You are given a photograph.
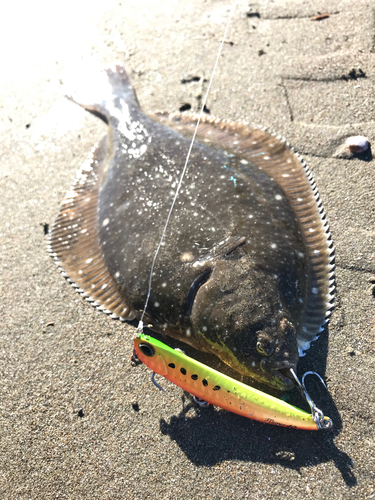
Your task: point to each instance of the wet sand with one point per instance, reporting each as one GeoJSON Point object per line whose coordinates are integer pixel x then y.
{"type": "Point", "coordinates": [77, 421]}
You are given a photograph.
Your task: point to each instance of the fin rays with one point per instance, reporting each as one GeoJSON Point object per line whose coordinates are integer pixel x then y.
{"type": "Point", "coordinates": [74, 242]}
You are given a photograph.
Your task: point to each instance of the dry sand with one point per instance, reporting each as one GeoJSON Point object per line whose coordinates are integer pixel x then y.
{"type": "Point", "coordinates": [77, 421]}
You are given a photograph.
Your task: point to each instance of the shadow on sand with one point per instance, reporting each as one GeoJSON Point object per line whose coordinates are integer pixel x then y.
{"type": "Point", "coordinates": [209, 436]}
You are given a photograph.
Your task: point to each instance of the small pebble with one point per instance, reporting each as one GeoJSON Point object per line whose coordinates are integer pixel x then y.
{"type": "Point", "coordinates": [135, 406]}
{"type": "Point", "coordinates": [357, 144]}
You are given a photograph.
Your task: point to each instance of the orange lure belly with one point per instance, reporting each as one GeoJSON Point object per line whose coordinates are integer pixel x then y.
{"type": "Point", "coordinates": [219, 389]}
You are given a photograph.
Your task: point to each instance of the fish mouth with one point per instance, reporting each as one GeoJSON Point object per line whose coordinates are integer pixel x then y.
{"type": "Point", "coordinates": [280, 370]}
{"type": "Point", "coordinates": [284, 375]}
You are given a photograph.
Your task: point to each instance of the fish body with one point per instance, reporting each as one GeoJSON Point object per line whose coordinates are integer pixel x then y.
{"type": "Point", "coordinates": [244, 271]}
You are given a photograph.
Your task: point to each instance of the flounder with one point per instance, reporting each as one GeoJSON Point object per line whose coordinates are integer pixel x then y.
{"type": "Point", "coordinates": [246, 269]}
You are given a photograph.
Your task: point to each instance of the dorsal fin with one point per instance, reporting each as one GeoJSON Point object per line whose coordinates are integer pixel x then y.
{"type": "Point", "coordinates": [289, 171]}
{"type": "Point", "coordinates": [74, 243]}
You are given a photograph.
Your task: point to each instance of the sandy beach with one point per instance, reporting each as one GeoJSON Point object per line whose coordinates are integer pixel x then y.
{"type": "Point", "coordinates": [77, 420]}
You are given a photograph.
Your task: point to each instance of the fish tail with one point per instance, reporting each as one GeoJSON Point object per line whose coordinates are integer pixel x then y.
{"type": "Point", "coordinates": [105, 92]}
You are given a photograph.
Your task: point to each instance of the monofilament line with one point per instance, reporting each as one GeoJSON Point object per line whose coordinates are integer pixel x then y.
{"type": "Point", "coordinates": [140, 325]}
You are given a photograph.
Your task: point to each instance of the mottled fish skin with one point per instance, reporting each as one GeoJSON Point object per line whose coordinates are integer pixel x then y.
{"type": "Point", "coordinates": [232, 275]}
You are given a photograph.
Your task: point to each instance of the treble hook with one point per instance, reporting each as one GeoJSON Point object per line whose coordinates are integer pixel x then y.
{"type": "Point", "coordinates": [155, 383]}
{"type": "Point", "coordinates": [199, 401]}
{"type": "Point", "coordinates": [313, 373]}
{"type": "Point", "coordinates": [316, 413]}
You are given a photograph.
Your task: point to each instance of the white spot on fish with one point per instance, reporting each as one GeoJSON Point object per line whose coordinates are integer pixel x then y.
{"type": "Point", "coordinates": [88, 261]}
{"type": "Point", "coordinates": [105, 222]}
{"type": "Point", "coordinates": [186, 257]}
{"type": "Point", "coordinates": [156, 304]}
{"type": "Point", "coordinates": [199, 263]}
{"type": "Point", "coordinates": [278, 197]}
{"type": "Point", "coordinates": [314, 291]}
{"type": "Point", "coordinates": [273, 246]}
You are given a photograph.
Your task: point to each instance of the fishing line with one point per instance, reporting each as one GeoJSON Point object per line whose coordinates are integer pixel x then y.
{"type": "Point", "coordinates": [140, 324]}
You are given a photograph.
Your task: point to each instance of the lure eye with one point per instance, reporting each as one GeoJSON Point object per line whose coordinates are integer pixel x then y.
{"type": "Point", "coordinates": [147, 350]}
{"type": "Point", "coordinates": [265, 348]}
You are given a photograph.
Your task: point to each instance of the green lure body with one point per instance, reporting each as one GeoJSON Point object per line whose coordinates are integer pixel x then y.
{"type": "Point", "coordinates": [219, 389]}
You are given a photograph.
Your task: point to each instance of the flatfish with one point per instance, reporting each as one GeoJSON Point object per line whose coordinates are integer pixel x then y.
{"type": "Point", "coordinates": [246, 268]}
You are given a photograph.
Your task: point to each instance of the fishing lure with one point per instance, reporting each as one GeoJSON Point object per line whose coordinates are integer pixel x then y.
{"type": "Point", "coordinates": [225, 392]}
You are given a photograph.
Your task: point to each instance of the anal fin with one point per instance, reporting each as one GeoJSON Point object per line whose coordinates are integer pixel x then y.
{"type": "Point", "coordinates": [74, 242]}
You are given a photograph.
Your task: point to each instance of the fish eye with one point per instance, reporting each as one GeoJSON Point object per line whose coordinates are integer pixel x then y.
{"type": "Point", "coordinates": [260, 349]}
{"type": "Point", "coordinates": [201, 280]}
{"type": "Point", "coordinates": [265, 348]}
{"type": "Point", "coordinates": [147, 350]}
